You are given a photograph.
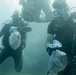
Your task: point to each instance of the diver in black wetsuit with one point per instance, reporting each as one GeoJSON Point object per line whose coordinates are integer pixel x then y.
{"type": "Point", "coordinates": [63, 29]}
{"type": "Point", "coordinates": [7, 51]}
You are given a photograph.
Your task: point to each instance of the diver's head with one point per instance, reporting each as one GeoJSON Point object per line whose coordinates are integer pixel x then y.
{"type": "Point", "coordinates": [16, 18]}
{"type": "Point", "coordinates": [60, 4]}
{"type": "Point", "coordinates": [16, 15]}
{"type": "Point", "coordinates": [61, 7]}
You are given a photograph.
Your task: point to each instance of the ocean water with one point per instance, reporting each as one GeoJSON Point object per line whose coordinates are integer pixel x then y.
{"type": "Point", "coordinates": [36, 59]}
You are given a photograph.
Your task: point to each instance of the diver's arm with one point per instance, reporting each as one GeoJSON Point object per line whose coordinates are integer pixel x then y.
{"type": "Point", "coordinates": [49, 40]}
{"type": "Point", "coordinates": [24, 29]}
{"type": "Point", "coordinates": [1, 34]}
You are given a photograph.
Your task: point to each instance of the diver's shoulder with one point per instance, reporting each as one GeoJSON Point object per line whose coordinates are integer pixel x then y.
{"type": "Point", "coordinates": [8, 22]}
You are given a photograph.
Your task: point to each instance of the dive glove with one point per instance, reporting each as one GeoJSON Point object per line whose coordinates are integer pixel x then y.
{"type": "Point", "coordinates": [51, 47]}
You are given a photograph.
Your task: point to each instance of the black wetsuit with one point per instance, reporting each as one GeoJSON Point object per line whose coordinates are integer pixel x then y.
{"type": "Point", "coordinates": [8, 51]}
{"type": "Point", "coordinates": [65, 35]}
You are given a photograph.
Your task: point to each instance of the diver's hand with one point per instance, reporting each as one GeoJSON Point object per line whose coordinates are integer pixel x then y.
{"type": "Point", "coordinates": [24, 29]}
{"type": "Point", "coordinates": [49, 50]}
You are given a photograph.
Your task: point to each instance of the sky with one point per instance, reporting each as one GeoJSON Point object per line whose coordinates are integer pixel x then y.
{"type": "Point", "coordinates": [35, 57]}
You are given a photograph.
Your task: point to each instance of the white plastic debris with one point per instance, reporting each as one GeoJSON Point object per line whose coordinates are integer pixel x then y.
{"type": "Point", "coordinates": [55, 44]}
{"type": "Point", "coordinates": [58, 62]}
{"type": "Point", "coordinates": [14, 38]}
